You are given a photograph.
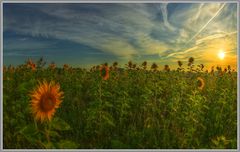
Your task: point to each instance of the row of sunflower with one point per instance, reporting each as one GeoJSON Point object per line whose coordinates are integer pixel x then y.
{"type": "Point", "coordinates": [109, 107]}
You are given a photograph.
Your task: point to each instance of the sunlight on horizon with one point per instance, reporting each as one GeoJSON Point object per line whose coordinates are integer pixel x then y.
{"type": "Point", "coordinates": [221, 54]}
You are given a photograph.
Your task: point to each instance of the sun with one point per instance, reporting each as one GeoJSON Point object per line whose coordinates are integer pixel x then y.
{"type": "Point", "coordinates": [221, 55]}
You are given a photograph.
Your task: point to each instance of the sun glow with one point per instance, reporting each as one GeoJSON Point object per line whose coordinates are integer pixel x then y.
{"type": "Point", "coordinates": [221, 55]}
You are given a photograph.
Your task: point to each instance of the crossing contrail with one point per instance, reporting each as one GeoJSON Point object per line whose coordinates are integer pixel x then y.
{"type": "Point", "coordinates": [216, 14]}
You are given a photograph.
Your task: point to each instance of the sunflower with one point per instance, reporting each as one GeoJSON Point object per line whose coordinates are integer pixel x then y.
{"type": "Point", "coordinates": [45, 99]}
{"type": "Point", "coordinates": [52, 66]}
{"type": "Point", "coordinates": [104, 72]}
{"type": "Point", "coordinates": [154, 66]}
{"type": "Point", "coordinates": [130, 64]}
{"type": "Point", "coordinates": [180, 63]}
{"type": "Point", "coordinates": [191, 60]}
{"type": "Point", "coordinates": [166, 68]}
{"type": "Point", "coordinates": [115, 64]}
{"type": "Point", "coordinates": [65, 67]}
{"type": "Point", "coordinates": [11, 69]}
{"type": "Point", "coordinates": [144, 64]}
{"type": "Point", "coordinates": [200, 83]}
{"type": "Point", "coordinates": [31, 65]}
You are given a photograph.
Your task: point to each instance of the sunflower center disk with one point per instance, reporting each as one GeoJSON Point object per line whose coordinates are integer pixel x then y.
{"type": "Point", "coordinates": [47, 102]}
{"type": "Point", "coordinates": [199, 83]}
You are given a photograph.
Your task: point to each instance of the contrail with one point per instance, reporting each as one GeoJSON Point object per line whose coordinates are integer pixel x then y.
{"type": "Point", "coordinates": [209, 37]}
{"type": "Point", "coordinates": [207, 23]}
{"type": "Point", "coordinates": [164, 11]}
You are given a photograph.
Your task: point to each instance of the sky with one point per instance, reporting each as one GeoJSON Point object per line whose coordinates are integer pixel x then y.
{"type": "Point", "coordinates": [83, 35]}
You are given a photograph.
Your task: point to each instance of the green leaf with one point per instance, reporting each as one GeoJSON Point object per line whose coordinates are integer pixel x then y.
{"type": "Point", "coordinates": [30, 133]}
{"type": "Point", "coordinates": [108, 119]}
{"type": "Point", "coordinates": [22, 88]}
{"type": "Point", "coordinates": [117, 144]}
{"type": "Point", "coordinates": [48, 145]}
{"type": "Point", "coordinates": [107, 104]}
{"type": "Point", "coordinates": [67, 144]}
{"type": "Point", "coordinates": [28, 130]}
{"type": "Point", "coordinates": [54, 134]}
{"type": "Point", "coordinates": [60, 124]}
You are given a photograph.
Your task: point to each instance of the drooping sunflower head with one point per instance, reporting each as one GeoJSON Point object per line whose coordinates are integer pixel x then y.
{"type": "Point", "coordinates": [65, 67]}
{"type": "Point", "coordinates": [11, 68]}
{"type": "Point", "coordinates": [200, 83]}
{"type": "Point", "coordinates": [225, 70]}
{"type": "Point", "coordinates": [97, 67]}
{"type": "Point", "coordinates": [154, 66]}
{"type": "Point", "coordinates": [52, 66]}
{"type": "Point", "coordinates": [104, 72]}
{"type": "Point", "coordinates": [134, 66]}
{"type": "Point", "coordinates": [31, 64]}
{"type": "Point", "coordinates": [191, 60]}
{"type": "Point", "coordinates": [45, 99]}
{"type": "Point", "coordinates": [166, 68]}
{"type": "Point", "coordinates": [229, 68]}
{"type": "Point", "coordinates": [130, 64]}
{"type": "Point", "coordinates": [180, 63]}
{"type": "Point", "coordinates": [115, 64]}
{"type": "Point", "coordinates": [144, 63]}
{"type": "Point", "coordinates": [111, 68]}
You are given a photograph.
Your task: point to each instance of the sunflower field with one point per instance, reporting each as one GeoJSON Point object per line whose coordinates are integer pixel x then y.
{"type": "Point", "coordinates": [108, 107]}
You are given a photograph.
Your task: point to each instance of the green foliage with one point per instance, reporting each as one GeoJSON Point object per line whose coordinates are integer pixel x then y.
{"type": "Point", "coordinates": [132, 109]}
{"type": "Point", "coordinates": [66, 144]}
{"type": "Point", "coordinates": [60, 124]}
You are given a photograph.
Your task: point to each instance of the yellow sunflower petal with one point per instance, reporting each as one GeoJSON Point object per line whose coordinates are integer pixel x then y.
{"type": "Point", "coordinates": [45, 99]}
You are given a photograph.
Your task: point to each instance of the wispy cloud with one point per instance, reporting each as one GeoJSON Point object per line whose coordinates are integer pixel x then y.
{"type": "Point", "coordinates": [207, 23]}
{"type": "Point", "coordinates": [127, 31]}
{"type": "Point", "coordinates": [164, 10]}
{"type": "Point", "coordinates": [214, 36]}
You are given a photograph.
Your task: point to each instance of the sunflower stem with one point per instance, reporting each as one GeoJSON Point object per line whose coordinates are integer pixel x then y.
{"type": "Point", "coordinates": [101, 107]}
{"type": "Point", "coordinates": [47, 130]}
{"type": "Point", "coordinates": [35, 124]}
{"type": "Point", "coordinates": [100, 91]}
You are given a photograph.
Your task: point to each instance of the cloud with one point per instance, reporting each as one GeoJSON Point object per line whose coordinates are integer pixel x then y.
{"type": "Point", "coordinates": [164, 10]}
{"type": "Point", "coordinates": [219, 10]}
{"type": "Point", "coordinates": [203, 15]}
{"type": "Point", "coordinates": [214, 36]}
{"type": "Point", "coordinates": [19, 54]}
{"type": "Point", "coordinates": [227, 41]}
{"type": "Point", "coordinates": [26, 44]}
{"type": "Point", "coordinates": [126, 31]}
{"type": "Point", "coordinates": [84, 29]}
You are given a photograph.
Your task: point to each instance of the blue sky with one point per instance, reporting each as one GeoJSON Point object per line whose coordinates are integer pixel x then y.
{"type": "Point", "coordinates": [83, 35]}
